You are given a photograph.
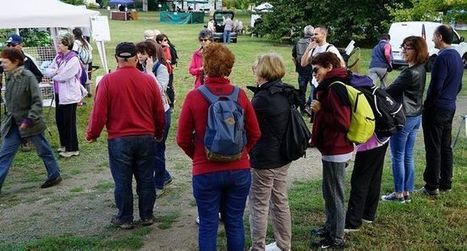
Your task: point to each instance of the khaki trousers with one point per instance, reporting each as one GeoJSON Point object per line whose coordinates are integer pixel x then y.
{"type": "Point", "coordinates": [268, 193]}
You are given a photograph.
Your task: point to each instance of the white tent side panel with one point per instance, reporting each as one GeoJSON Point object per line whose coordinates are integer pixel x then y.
{"type": "Point", "coordinates": [43, 14]}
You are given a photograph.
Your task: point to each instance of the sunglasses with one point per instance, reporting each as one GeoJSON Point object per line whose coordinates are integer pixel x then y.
{"type": "Point", "coordinates": [11, 45]}
{"type": "Point", "coordinates": [204, 39]}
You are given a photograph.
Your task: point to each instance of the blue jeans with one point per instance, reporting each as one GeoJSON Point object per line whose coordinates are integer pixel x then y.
{"type": "Point", "coordinates": [160, 172]}
{"type": "Point", "coordinates": [226, 36]}
{"type": "Point", "coordinates": [303, 81]}
{"type": "Point", "coordinates": [128, 156]}
{"type": "Point", "coordinates": [224, 192]}
{"type": "Point", "coordinates": [402, 144]}
{"type": "Point", "coordinates": [10, 145]}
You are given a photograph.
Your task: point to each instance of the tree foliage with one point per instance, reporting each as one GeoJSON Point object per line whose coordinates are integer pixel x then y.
{"type": "Point", "coordinates": [429, 10]}
{"type": "Point", "coordinates": [360, 20]}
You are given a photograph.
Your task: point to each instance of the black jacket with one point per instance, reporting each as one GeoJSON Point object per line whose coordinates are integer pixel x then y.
{"type": "Point", "coordinates": [272, 110]}
{"type": "Point", "coordinates": [408, 89]}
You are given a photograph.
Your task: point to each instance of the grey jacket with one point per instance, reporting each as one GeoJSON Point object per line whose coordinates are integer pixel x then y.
{"type": "Point", "coordinates": [23, 103]}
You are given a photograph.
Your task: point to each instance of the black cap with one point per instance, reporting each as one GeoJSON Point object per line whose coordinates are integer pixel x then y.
{"type": "Point", "coordinates": [125, 50]}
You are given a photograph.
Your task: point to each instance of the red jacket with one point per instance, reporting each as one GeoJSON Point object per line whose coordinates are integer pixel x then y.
{"type": "Point", "coordinates": [195, 67]}
{"type": "Point", "coordinates": [192, 127]}
{"type": "Point", "coordinates": [127, 102]}
{"type": "Point", "coordinates": [332, 121]}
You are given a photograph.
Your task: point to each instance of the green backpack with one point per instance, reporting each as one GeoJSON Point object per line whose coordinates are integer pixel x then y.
{"type": "Point", "coordinates": [362, 122]}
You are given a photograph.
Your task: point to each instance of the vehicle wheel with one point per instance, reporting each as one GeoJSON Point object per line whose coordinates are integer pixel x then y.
{"type": "Point", "coordinates": [464, 60]}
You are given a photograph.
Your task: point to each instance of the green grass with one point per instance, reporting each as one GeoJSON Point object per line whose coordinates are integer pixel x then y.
{"type": "Point", "coordinates": [424, 224]}
{"type": "Point", "coordinates": [410, 226]}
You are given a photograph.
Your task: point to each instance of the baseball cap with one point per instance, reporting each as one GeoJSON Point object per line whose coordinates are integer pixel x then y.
{"type": "Point", "coordinates": [125, 50]}
{"type": "Point", "coordinates": [14, 39]}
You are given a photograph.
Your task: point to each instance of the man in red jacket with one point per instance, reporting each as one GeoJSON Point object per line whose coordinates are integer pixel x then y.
{"type": "Point", "coordinates": [128, 104]}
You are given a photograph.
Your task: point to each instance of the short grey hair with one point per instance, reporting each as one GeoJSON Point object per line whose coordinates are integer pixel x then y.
{"type": "Point", "coordinates": [308, 30]}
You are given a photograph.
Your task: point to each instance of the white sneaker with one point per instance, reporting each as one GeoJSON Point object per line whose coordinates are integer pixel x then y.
{"type": "Point", "coordinates": [159, 192]}
{"type": "Point", "coordinates": [197, 220]}
{"type": "Point", "coordinates": [68, 154]}
{"type": "Point", "coordinates": [367, 221]}
{"type": "Point", "coordinates": [61, 149]}
{"type": "Point", "coordinates": [272, 247]}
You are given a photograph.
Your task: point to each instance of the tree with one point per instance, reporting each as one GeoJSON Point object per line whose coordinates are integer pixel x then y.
{"type": "Point", "coordinates": [360, 20]}
{"type": "Point", "coordinates": [426, 10]}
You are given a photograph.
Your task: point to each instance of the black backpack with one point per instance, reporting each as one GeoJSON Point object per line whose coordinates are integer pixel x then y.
{"type": "Point", "coordinates": [389, 114]}
{"type": "Point", "coordinates": [297, 135]}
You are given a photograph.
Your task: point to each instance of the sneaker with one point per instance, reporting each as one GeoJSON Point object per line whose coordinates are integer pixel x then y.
{"type": "Point", "coordinates": [52, 182]}
{"type": "Point", "coordinates": [320, 232]}
{"type": "Point", "coordinates": [148, 222]}
{"type": "Point", "coordinates": [61, 149]}
{"type": "Point", "coordinates": [168, 182]}
{"type": "Point", "coordinates": [159, 192]}
{"type": "Point", "coordinates": [350, 230]}
{"type": "Point", "coordinates": [272, 247]}
{"type": "Point", "coordinates": [120, 224]}
{"type": "Point", "coordinates": [197, 220]}
{"type": "Point", "coordinates": [425, 191]}
{"type": "Point", "coordinates": [328, 243]}
{"type": "Point", "coordinates": [26, 147]}
{"type": "Point", "coordinates": [392, 197]}
{"type": "Point", "coordinates": [68, 154]}
{"type": "Point", "coordinates": [445, 190]}
{"type": "Point", "coordinates": [367, 221]}
{"type": "Point", "coordinates": [407, 199]}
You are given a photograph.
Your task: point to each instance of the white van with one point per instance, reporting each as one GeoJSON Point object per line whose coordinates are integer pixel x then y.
{"type": "Point", "coordinates": [401, 30]}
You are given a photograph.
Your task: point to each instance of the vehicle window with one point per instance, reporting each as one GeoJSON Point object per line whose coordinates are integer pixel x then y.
{"type": "Point", "coordinates": [456, 38]}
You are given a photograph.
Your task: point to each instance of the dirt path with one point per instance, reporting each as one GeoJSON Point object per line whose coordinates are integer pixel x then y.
{"type": "Point", "coordinates": [83, 204]}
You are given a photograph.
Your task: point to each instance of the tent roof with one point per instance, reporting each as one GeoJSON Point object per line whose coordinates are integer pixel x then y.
{"type": "Point", "coordinates": [44, 14]}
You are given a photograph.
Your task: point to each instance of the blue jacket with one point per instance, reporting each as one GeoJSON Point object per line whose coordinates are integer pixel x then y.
{"type": "Point", "coordinates": [378, 60]}
{"type": "Point", "coordinates": [446, 80]}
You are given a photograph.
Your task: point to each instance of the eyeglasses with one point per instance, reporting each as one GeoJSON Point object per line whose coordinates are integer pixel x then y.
{"type": "Point", "coordinates": [204, 39]}
{"type": "Point", "coordinates": [406, 47]}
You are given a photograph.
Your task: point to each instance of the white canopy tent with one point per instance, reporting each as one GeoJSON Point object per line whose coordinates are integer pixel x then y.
{"type": "Point", "coordinates": [52, 14]}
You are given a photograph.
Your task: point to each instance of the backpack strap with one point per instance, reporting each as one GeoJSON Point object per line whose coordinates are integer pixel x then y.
{"type": "Point", "coordinates": [155, 67]}
{"type": "Point", "coordinates": [211, 98]}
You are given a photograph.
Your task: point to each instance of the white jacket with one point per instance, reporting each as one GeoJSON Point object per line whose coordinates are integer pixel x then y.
{"type": "Point", "coordinates": [67, 76]}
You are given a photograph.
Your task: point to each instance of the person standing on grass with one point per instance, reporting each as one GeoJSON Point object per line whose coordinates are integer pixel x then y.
{"type": "Point", "coordinates": [196, 65]}
{"type": "Point", "coordinates": [380, 63]}
{"type": "Point", "coordinates": [23, 119]}
{"type": "Point", "coordinates": [150, 58]}
{"type": "Point", "coordinates": [65, 71]}
{"type": "Point", "coordinates": [228, 27]}
{"type": "Point", "coordinates": [305, 75]}
{"type": "Point", "coordinates": [268, 192]}
{"type": "Point", "coordinates": [407, 89]}
{"type": "Point", "coordinates": [170, 59]}
{"type": "Point", "coordinates": [366, 183]}
{"type": "Point", "coordinates": [129, 104]}
{"type": "Point", "coordinates": [332, 121]}
{"type": "Point", "coordinates": [217, 186]}
{"type": "Point", "coordinates": [438, 113]}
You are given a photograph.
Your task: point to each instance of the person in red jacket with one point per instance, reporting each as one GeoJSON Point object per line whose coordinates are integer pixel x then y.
{"type": "Point", "coordinates": [196, 65]}
{"type": "Point", "coordinates": [217, 186]}
{"type": "Point", "coordinates": [332, 121]}
{"type": "Point", "coordinates": [129, 104]}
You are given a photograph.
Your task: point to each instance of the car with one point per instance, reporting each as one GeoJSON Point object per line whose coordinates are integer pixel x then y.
{"type": "Point", "coordinates": [218, 18]}
{"type": "Point", "coordinates": [400, 30]}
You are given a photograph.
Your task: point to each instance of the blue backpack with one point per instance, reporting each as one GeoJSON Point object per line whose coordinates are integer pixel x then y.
{"type": "Point", "coordinates": [225, 135]}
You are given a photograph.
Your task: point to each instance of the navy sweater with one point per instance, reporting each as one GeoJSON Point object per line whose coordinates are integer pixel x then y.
{"type": "Point", "coordinates": [446, 80]}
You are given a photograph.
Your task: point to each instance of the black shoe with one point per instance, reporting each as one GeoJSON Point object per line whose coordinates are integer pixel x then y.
{"type": "Point", "coordinates": [121, 224]}
{"type": "Point", "coordinates": [327, 243]}
{"type": "Point", "coordinates": [428, 192]}
{"type": "Point", "coordinates": [320, 232]}
{"type": "Point", "coordinates": [52, 182]}
{"type": "Point", "coordinates": [149, 221]}
{"type": "Point", "coordinates": [168, 181]}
